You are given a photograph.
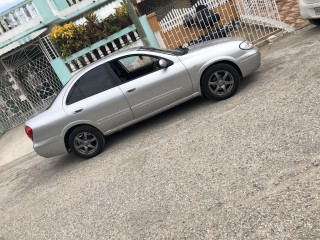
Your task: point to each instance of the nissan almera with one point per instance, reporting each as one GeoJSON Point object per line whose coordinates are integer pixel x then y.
{"type": "Point", "coordinates": [132, 85]}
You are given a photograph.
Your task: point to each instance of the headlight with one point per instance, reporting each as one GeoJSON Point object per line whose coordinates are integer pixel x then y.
{"type": "Point", "coordinates": [245, 45]}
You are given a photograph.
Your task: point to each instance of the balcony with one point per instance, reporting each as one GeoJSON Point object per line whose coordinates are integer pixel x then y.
{"type": "Point", "coordinates": [31, 15]}
{"type": "Point", "coordinates": [64, 8]}
{"type": "Point", "coordinates": [18, 19]}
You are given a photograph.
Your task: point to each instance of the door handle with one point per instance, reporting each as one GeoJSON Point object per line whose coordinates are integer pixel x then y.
{"type": "Point", "coordinates": [77, 111]}
{"type": "Point", "coordinates": [131, 90]}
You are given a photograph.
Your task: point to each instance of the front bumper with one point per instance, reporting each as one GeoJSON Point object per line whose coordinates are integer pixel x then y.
{"type": "Point", "coordinates": [250, 61]}
{"type": "Point", "coordinates": [307, 10]}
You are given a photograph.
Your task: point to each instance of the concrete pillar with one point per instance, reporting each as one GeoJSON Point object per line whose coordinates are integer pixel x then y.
{"type": "Point", "coordinates": [61, 70]}
{"type": "Point", "coordinates": [134, 17]}
{"type": "Point", "coordinates": [45, 10]}
{"type": "Point", "coordinates": [148, 31]}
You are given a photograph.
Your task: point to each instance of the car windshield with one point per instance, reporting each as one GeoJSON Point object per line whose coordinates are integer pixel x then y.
{"type": "Point", "coordinates": [174, 52]}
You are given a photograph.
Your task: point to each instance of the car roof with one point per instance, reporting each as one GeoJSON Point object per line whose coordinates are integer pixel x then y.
{"type": "Point", "coordinates": [116, 54]}
{"type": "Point", "coordinates": [111, 56]}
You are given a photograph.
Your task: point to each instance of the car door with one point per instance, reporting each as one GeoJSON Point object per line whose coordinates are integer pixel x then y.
{"type": "Point", "coordinates": [147, 86]}
{"type": "Point", "coordinates": [95, 98]}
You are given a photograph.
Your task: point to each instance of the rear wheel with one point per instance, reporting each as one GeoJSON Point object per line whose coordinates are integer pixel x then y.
{"type": "Point", "coordinates": [86, 142]}
{"type": "Point", "coordinates": [315, 21]}
{"type": "Point", "coordinates": [220, 81]}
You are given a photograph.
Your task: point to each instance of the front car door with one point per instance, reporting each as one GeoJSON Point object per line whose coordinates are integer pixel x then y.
{"type": "Point", "coordinates": [148, 87]}
{"type": "Point", "coordinates": [95, 99]}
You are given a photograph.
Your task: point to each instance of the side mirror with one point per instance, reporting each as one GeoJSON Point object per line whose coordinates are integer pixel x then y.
{"type": "Point", "coordinates": [163, 63]}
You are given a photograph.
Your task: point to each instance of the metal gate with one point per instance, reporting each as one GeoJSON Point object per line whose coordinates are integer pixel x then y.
{"type": "Point", "coordinates": [210, 19]}
{"type": "Point", "coordinates": [27, 84]}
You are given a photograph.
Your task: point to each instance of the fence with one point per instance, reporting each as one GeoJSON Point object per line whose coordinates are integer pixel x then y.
{"type": "Point", "coordinates": [211, 19]}
{"type": "Point", "coordinates": [27, 85]}
{"type": "Point", "coordinates": [113, 43]}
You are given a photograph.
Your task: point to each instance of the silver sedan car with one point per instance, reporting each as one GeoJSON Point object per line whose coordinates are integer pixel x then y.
{"type": "Point", "coordinates": [310, 9]}
{"type": "Point", "coordinates": [132, 85]}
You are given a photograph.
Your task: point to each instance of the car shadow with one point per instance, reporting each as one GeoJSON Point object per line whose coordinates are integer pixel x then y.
{"type": "Point", "coordinates": [67, 160]}
{"type": "Point", "coordinates": [248, 81]}
{"type": "Point", "coordinates": [174, 114]}
{"type": "Point", "coordinates": [163, 118]}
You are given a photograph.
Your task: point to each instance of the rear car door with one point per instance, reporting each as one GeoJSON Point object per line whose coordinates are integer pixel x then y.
{"type": "Point", "coordinates": [95, 98]}
{"type": "Point", "coordinates": [147, 86]}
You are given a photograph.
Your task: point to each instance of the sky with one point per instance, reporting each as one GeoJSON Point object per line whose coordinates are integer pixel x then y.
{"type": "Point", "coordinates": [6, 4]}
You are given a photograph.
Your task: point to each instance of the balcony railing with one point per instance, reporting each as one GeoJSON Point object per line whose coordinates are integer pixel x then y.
{"type": "Point", "coordinates": [127, 37]}
{"type": "Point", "coordinates": [73, 6]}
{"type": "Point", "coordinates": [73, 2]}
{"type": "Point", "coordinates": [20, 15]}
{"type": "Point", "coordinates": [30, 14]}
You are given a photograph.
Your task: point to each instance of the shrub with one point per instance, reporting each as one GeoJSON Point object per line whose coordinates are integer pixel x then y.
{"type": "Point", "coordinates": [71, 38]}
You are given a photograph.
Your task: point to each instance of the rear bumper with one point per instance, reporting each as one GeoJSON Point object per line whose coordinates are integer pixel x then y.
{"type": "Point", "coordinates": [50, 147]}
{"type": "Point", "coordinates": [307, 10]}
{"type": "Point", "coordinates": [250, 61]}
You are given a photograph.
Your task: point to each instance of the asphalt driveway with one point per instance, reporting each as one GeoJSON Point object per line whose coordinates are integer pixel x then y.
{"type": "Point", "coordinates": [245, 168]}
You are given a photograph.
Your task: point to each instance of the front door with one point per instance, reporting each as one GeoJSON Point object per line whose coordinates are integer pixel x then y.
{"type": "Point", "coordinates": [147, 86]}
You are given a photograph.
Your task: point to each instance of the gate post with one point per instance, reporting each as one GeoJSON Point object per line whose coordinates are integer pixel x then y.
{"type": "Point", "coordinates": [61, 70]}
{"type": "Point", "coordinates": [148, 30]}
{"type": "Point", "coordinates": [136, 21]}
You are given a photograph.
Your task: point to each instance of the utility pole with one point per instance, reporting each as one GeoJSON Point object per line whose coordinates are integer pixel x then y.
{"type": "Point", "coordinates": [135, 19]}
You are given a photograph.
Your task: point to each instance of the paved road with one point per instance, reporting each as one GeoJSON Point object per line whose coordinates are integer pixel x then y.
{"type": "Point", "coordinates": [245, 168]}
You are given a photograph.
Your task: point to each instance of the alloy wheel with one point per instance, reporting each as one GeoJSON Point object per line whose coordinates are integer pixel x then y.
{"type": "Point", "coordinates": [86, 143]}
{"type": "Point", "coordinates": [221, 82]}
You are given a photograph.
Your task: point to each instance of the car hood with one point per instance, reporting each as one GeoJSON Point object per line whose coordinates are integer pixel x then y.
{"type": "Point", "coordinates": [212, 43]}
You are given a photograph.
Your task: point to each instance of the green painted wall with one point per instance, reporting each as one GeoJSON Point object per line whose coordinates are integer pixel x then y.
{"type": "Point", "coordinates": [45, 10]}
{"type": "Point", "coordinates": [61, 5]}
{"type": "Point", "coordinates": [150, 35]}
{"type": "Point", "coordinates": [61, 70]}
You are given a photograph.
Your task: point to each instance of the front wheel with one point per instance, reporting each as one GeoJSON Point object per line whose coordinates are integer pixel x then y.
{"type": "Point", "coordinates": [315, 21]}
{"type": "Point", "coordinates": [220, 81]}
{"type": "Point", "coordinates": [86, 142]}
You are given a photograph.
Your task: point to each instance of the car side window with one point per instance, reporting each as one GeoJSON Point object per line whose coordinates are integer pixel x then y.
{"type": "Point", "coordinates": [134, 66]}
{"type": "Point", "coordinates": [93, 82]}
{"type": "Point", "coordinates": [74, 95]}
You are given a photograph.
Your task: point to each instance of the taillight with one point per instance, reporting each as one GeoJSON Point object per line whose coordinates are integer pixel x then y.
{"type": "Point", "coordinates": [29, 132]}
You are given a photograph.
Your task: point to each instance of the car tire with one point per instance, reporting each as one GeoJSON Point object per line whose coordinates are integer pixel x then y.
{"type": "Point", "coordinates": [86, 141]}
{"type": "Point", "coordinates": [315, 21]}
{"type": "Point", "coordinates": [220, 81]}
